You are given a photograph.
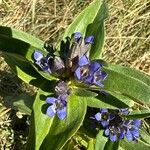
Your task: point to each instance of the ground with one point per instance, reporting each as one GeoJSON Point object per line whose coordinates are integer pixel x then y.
{"type": "Point", "coordinates": [127, 43]}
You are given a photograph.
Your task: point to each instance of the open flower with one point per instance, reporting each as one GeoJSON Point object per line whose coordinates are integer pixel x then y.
{"type": "Point", "coordinates": [41, 61]}
{"type": "Point", "coordinates": [58, 105]}
{"type": "Point", "coordinates": [90, 72]}
{"type": "Point", "coordinates": [115, 127]}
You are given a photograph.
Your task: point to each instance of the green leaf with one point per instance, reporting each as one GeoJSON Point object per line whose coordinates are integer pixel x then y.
{"type": "Point", "coordinates": [22, 69]}
{"type": "Point", "coordinates": [22, 103]}
{"type": "Point", "coordinates": [132, 72]}
{"type": "Point", "coordinates": [83, 92]}
{"type": "Point", "coordinates": [107, 101]}
{"type": "Point", "coordinates": [61, 131]}
{"type": "Point", "coordinates": [97, 30]}
{"type": "Point", "coordinates": [40, 122]}
{"type": "Point", "coordinates": [111, 145]}
{"type": "Point", "coordinates": [126, 100]}
{"type": "Point", "coordinates": [127, 83]}
{"type": "Point", "coordinates": [91, 145]}
{"type": "Point", "coordinates": [145, 136]}
{"type": "Point", "coordinates": [20, 35]}
{"type": "Point", "coordinates": [102, 143]}
{"type": "Point", "coordinates": [85, 18]}
{"type": "Point", "coordinates": [19, 54]}
{"type": "Point", "coordinates": [126, 145]}
{"type": "Point", "coordinates": [139, 114]}
{"type": "Point", "coordinates": [50, 132]}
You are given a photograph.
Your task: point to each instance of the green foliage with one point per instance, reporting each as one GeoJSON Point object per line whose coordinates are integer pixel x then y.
{"type": "Point", "coordinates": [22, 103]}
{"type": "Point", "coordinates": [126, 83]}
{"type": "Point", "coordinates": [20, 35]}
{"type": "Point", "coordinates": [123, 88]}
{"type": "Point", "coordinates": [45, 129]}
{"type": "Point", "coordinates": [85, 18]}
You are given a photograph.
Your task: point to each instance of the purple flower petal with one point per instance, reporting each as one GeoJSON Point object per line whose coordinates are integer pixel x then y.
{"type": "Point", "coordinates": [104, 123]}
{"type": "Point", "coordinates": [113, 137]}
{"type": "Point", "coordinates": [63, 97]}
{"type": "Point", "coordinates": [62, 113]}
{"type": "Point", "coordinates": [83, 61]}
{"type": "Point", "coordinates": [102, 75]}
{"type": "Point", "coordinates": [129, 136]}
{"type": "Point", "coordinates": [98, 83]}
{"type": "Point", "coordinates": [104, 110]}
{"type": "Point", "coordinates": [77, 35]}
{"type": "Point", "coordinates": [122, 134]}
{"type": "Point", "coordinates": [111, 116]}
{"type": "Point", "coordinates": [89, 39]}
{"type": "Point", "coordinates": [135, 133]}
{"type": "Point", "coordinates": [98, 116]}
{"type": "Point", "coordinates": [94, 66]}
{"type": "Point", "coordinates": [51, 110]}
{"type": "Point", "coordinates": [106, 132]}
{"type": "Point", "coordinates": [37, 55]}
{"type": "Point", "coordinates": [78, 73]}
{"type": "Point", "coordinates": [51, 100]}
{"type": "Point", "coordinates": [137, 122]}
{"type": "Point", "coordinates": [88, 79]}
{"type": "Point", "coordinates": [124, 111]}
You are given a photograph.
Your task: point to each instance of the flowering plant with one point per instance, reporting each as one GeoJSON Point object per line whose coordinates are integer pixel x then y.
{"type": "Point", "coordinates": [81, 100]}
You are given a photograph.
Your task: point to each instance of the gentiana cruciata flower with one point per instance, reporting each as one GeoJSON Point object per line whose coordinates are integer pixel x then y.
{"type": "Point", "coordinates": [117, 128]}
{"type": "Point", "coordinates": [87, 71]}
{"type": "Point", "coordinates": [58, 104]}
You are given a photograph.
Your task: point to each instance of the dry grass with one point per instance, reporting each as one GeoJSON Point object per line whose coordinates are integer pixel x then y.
{"type": "Point", "coordinates": [127, 40]}
{"type": "Point", "coordinates": [128, 34]}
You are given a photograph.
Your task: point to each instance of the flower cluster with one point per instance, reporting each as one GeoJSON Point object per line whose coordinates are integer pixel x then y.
{"type": "Point", "coordinates": [87, 71]}
{"type": "Point", "coordinates": [41, 61]}
{"type": "Point", "coordinates": [59, 103]}
{"type": "Point", "coordinates": [117, 128]}
{"type": "Point", "coordinates": [90, 72]}
{"type": "Point", "coordinates": [72, 63]}
{"type": "Point", "coordinates": [50, 63]}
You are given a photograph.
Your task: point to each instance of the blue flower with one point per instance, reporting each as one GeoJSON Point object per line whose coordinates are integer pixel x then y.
{"type": "Point", "coordinates": [41, 61]}
{"type": "Point", "coordinates": [89, 39]}
{"type": "Point", "coordinates": [90, 72]}
{"type": "Point", "coordinates": [115, 127]}
{"type": "Point", "coordinates": [132, 129]}
{"type": "Point", "coordinates": [104, 117]}
{"type": "Point", "coordinates": [58, 104]}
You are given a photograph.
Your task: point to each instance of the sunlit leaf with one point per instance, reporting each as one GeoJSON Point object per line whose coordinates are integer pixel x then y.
{"type": "Point", "coordinates": [51, 133]}
{"type": "Point", "coordinates": [20, 35]}
{"type": "Point", "coordinates": [128, 84]}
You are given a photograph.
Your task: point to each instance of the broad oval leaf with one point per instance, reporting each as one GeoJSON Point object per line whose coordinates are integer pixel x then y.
{"type": "Point", "coordinates": [102, 143]}
{"type": "Point", "coordinates": [22, 103]}
{"type": "Point", "coordinates": [139, 114]}
{"type": "Point", "coordinates": [50, 133]}
{"type": "Point", "coordinates": [126, 145]}
{"type": "Point", "coordinates": [106, 100]}
{"type": "Point", "coordinates": [85, 18]}
{"type": "Point", "coordinates": [20, 54]}
{"type": "Point", "coordinates": [20, 35]}
{"type": "Point", "coordinates": [61, 131]}
{"type": "Point", "coordinates": [97, 30]}
{"type": "Point", "coordinates": [40, 122]}
{"type": "Point", "coordinates": [127, 84]}
{"type": "Point", "coordinates": [83, 92]}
